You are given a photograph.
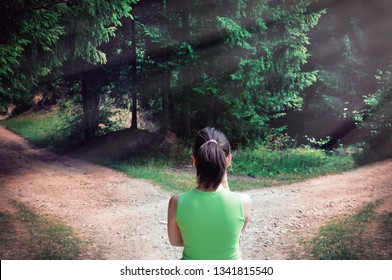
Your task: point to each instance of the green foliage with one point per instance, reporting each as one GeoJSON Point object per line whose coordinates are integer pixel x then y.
{"type": "Point", "coordinates": [318, 143]}
{"type": "Point", "coordinates": [343, 78]}
{"type": "Point", "coordinates": [379, 103]}
{"type": "Point", "coordinates": [269, 78]}
{"type": "Point", "coordinates": [39, 37]}
{"type": "Point", "coordinates": [69, 125]}
{"type": "Point", "coordinates": [237, 34]}
{"type": "Point", "coordinates": [377, 120]}
{"type": "Point", "coordinates": [26, 42]}
{"type": "Point", "coordinates": [236, 65]}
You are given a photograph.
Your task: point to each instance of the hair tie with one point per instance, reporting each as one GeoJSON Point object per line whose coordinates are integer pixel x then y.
{"type": "Point", "coordinates": [212, 140]}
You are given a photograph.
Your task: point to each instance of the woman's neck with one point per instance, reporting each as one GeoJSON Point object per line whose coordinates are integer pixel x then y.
{"type": "Point", "coordinates": [224, 185]}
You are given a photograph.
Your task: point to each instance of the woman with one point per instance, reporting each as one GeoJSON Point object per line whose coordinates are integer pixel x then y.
{"type": "Point", "coordinates": [208, 220]}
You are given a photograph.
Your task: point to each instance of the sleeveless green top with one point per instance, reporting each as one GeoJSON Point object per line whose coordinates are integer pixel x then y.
{"type": "Point", "coordinates": [210, 224]}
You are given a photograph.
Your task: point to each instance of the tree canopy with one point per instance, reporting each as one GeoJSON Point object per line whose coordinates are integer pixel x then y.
{"type": "Point", "coordinates": [39, 37]}
{"type": "Point", "coordinates": [240, 65]}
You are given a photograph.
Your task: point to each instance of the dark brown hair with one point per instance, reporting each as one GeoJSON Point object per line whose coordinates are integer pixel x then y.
{"type": "Point", "coordinates": [210, 150]}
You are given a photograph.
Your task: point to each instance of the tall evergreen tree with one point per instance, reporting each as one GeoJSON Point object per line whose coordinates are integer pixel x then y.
{"type": "Point", "coordinates": [42, 36]}
{"type": "Point", "coordinates": [348, 45]}
{"type": "Point", "coordinates": [235, 64]}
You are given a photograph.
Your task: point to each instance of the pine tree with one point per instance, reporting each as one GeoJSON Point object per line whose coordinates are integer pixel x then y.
{"type": "Point", "coordinates": [41, 37]}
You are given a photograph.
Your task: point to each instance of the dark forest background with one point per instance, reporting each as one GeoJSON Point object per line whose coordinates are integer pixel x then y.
{"type": "Point", "coordinates": [299, 71]}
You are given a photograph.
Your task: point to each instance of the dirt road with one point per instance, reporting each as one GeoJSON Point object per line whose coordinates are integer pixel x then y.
{"type": "Point", "coordinates": [126, 218]}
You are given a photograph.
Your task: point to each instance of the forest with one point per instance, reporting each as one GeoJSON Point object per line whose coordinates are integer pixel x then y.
{"type": "Point", "coordinates": [279, 72]}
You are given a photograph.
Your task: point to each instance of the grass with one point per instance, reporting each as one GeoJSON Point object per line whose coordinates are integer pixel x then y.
{"type": "Point", "coordinates": [251, 168]}
{"type": "Point", "coordinates": [365, 235]}
{"type": "Point", "coordinates": [159, 171]}
{"type": "Point", "coordinates": [44, 130]}
{"type": "Point", "coordinates": [290, 164]}
{"type": "Point", "coordinates": [164, 173]}
{"type": "Point", "coordinates": [5, 225]}
{"type": "Point", "coordinates": [37, 128]}
{"type": "Point", "coordinates": [27, 235]}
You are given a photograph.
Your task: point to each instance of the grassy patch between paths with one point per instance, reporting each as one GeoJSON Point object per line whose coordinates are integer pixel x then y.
{"type": "Point", "coordinates": [157, 170]}
{"type": "Point", "coordinates": [251, 168]}
{"type": "Point", "coordinates": [45, 130]}
{"type": "Point", "coordinates": [365, 235]}
{"type": "Point", "coordinates": [289, 164]}
{"type": "Point", "coordinates": [179, 179]}
{"type": "Point", "coordinates": [27, 235]}
{"type": "Point", "coordinates": [39, 129]}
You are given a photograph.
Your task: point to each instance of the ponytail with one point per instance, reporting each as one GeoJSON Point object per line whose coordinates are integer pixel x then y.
{"type": "Point", "coordinates": [210, 151]}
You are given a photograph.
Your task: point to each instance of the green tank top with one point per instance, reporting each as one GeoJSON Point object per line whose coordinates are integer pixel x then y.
{"type": "Point", "coordinates": [210, 224]}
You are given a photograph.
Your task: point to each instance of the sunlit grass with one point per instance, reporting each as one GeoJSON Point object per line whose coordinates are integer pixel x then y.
{"type": "Point", "coordinates": [40, 129]}
{"type": "Point", "coordinates": [289, 164]}
{"type": "Point", "coordinates": [347, 238]}
{"type": "Point", "coordinates": [157, 170]}
{"type": "Point", "coordinates": [266, 170]}
{"type": "Point", "coordinates": [251, 168]}
{"type": "Point", "coordinates": [44, 238]}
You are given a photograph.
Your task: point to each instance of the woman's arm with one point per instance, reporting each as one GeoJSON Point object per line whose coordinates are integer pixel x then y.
{"type": "Point", "coordinates": [247, 208]}
{"type": "Point", "coordinates": [173, 231]}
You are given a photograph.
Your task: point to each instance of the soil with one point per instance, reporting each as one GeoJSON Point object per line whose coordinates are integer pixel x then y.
{"type": "Point", "coordinates": [125, 218]}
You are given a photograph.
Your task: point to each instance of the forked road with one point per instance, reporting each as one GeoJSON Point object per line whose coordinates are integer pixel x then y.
{"type": "Point", "coordinates": [125, 218]}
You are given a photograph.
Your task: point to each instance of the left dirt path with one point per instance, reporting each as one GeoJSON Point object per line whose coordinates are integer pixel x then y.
{"type": "Point", "coordinates": [124, 218]}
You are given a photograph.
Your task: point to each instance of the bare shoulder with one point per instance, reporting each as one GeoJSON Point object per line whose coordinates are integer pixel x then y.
{"type": "Point", "coordinates": [174, 199]}
{"type": "Point", "coordinates": [174, 233]}
{"type": "Point", "coordinates": [246, 207]}
{"type": "Point", "coordinates": [246, 204]}
{"type": "Point", "coordinates": [173, 202]}
{"type": "Point", "coordinates": [246, 199]}
{"type": "Point", "coordinates": [172, 208]}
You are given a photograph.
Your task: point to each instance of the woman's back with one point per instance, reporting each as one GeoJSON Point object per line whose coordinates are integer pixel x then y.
{"type": "Point", "coordinates": [210, 224]}
{"type": "Point", "coordinates": [208, 220]}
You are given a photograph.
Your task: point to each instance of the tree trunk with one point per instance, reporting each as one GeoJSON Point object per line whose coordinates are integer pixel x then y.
{"type": "Point", "coordinates": [165, 88]}
{"type": "Point", "coordinates": [91, 102]}
{"type": "Point", "coordinates": [134, 75]}
{"type": "Point", "coordinates": [210, 120]}
{"type": "Point", "coordinates": [187, 78]}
